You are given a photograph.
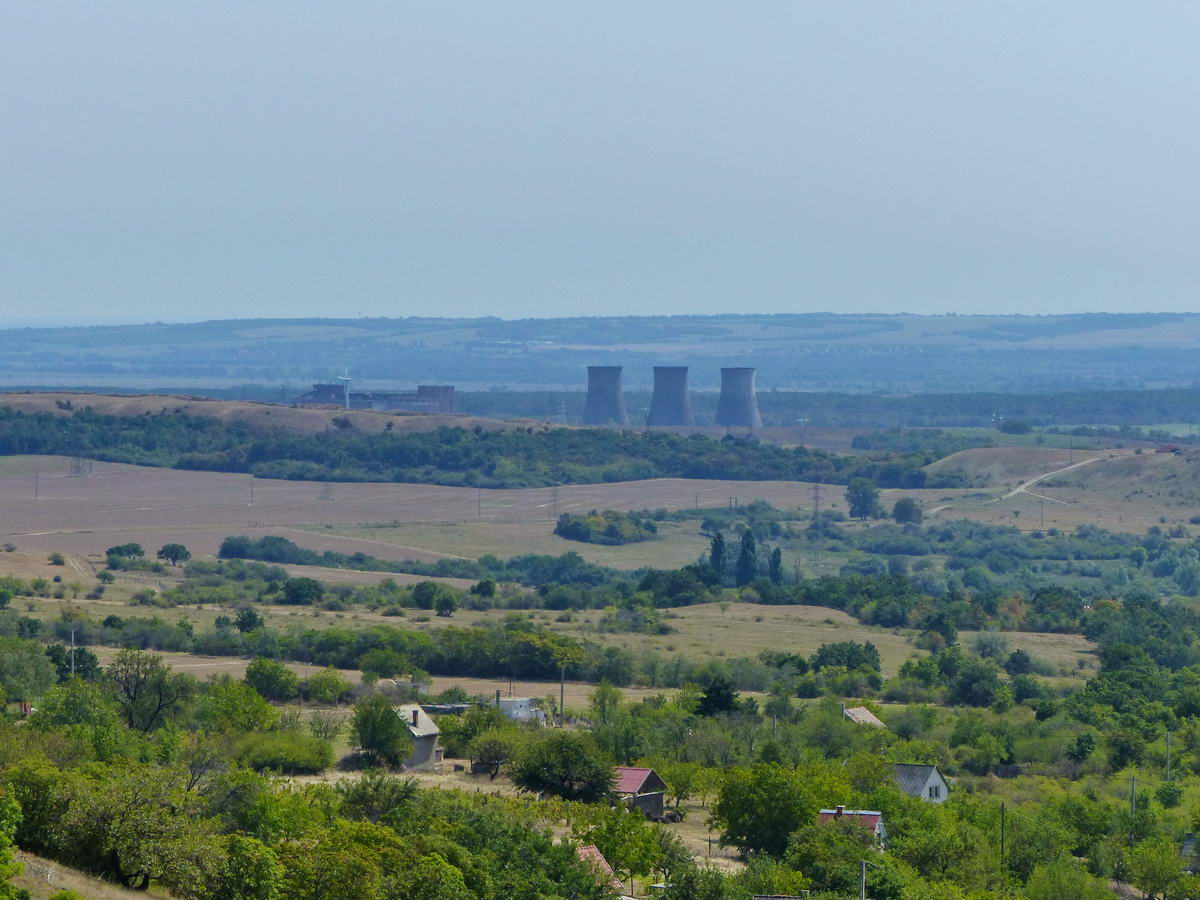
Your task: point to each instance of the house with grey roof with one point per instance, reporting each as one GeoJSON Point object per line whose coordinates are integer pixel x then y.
{"type": "Point", "coordinates": [924, 782]}
{"type": "Point", "coordinates": [424, 732]}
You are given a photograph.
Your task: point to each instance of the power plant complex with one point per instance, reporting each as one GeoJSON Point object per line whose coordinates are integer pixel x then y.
{"type": "Point", "coordinates": [670, 405]}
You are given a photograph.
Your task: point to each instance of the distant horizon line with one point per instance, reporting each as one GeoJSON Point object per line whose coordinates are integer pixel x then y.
{"type": "Point", "coordinates": [50, 323]}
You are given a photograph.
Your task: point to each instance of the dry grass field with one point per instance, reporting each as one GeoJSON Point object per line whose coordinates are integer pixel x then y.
{"type": "Point", "coordinates": [306, 420]}
{"type": "Point", "coordinates": [117, 503]}
{"type": "Point", "coordinates": [677, 544]}
{"type": "Point", "coordinates": [1030, 488]}
{"type": "Point", "coordinates": [575, 692]}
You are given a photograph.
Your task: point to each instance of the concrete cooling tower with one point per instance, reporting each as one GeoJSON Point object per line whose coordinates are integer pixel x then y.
{"type": "Point", "coordinates": [605, 403]}
{"type": "Point", "coordinates": [669, 405]}
{"type": "Point", "coordinates": [738, 406]}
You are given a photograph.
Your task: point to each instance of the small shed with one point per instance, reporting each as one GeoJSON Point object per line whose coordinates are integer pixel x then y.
{"type": "Point", "coordinates": [924, 782]}
{"type": "Point", "coordinates": [867, 818]}
{"type": "Point", "coordinates": [641, 789]}
{"type": "Point", "coordinates": [426, 753]}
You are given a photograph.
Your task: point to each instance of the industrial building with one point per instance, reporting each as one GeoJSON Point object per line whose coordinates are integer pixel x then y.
{"type": "Point", "coordinates": [427, 398]}
{"type": "Point", "coordinates": [669, 404]}
{"type": "Point", "coordinates": [605, 404]}
{"type": "Point", "coordinates": [738, 403]}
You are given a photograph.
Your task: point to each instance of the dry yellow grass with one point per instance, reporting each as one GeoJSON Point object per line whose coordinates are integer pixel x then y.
{"type": "Point", "coordinates": [44, 877]}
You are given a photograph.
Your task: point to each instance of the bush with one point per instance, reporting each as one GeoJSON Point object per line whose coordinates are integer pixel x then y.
{"type": "Point", "coordinates": [607, 527]}
{"type": "Point", "coordinates": [286, 752]}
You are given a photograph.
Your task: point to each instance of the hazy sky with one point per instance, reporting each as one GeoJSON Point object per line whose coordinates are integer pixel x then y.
{"type": "Point", "coordinates": [178, 161]}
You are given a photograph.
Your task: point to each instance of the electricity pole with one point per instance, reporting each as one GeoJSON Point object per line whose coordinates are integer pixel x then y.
{"type": "Point", "coordinates": [1003, 864]}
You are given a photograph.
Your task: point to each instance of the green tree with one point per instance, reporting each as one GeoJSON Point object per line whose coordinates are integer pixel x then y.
{"type": "Point", "coordinates": [1064, 880]}
{"type": "Point", "coordinates": [326, 686]}
{"type": "Point", "coordinates": [77, 661]}
{"type": "Point", "coordinates": [758, 808]}
{"type": "Point", "coordinates": [137, 824]}
{"type": "Point", "coordinates": [375, 795]}
{"type": "Point", "coordinates": [10, 817]}
{"type": "Point", "coordinates": [717, 554]}
{"type": "Point", "coordinates": [719, 696]}
{"type": "Point", "coordinates": [747, 562]}
{"type": "Point", "coordinates": [485, 587]}
{"type": "Point", "coordinates": [147, 691]}
{"type": "Point", "coordinates": [250, 871]}
{"type": "Point", "coordinates": [494, 748]}
{"type": "Point", "coordinates": [272, 679]}
{"type": "Point", "coordinates": [230, 705]}
{"type": "Point", "coordinates": [906, 511]}
{"type": "Point", "coordinates": [383, 662]}
{"type": "Point", "coordinates": [126, 551]}
{"type": "Point", "coordinates": [174, 554]}
{"type": "Point", "coordinates": [247, 620]}
{"type": "Point", "coordinates": [565, 764]}
{"type": "Point", "coordinates": [378, 731]}
{"type": "Point", "coordinates": [604, 702]}
{"type": "Point", "coordinates": [433, 878]}
{"type": "Point", "coordinates": [302, 591]}
{"type": "Point", "coordinates": [25, 671]}
{"type": "Point", "coordinates": [1155, 866]}
{"type": "Point", "coordinates": [425, 594]}
{"type": "Point", "coordinates": [863, 498]}
{"type": "Point", "coordinates": [76, 702]}
{"type": "Point", "coordinates": [446, 603]}
{"type": "Point", "coordinates": [775, 568]}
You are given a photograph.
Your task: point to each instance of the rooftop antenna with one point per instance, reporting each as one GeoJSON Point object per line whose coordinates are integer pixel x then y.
{"type": "Point", "coordinates": [345, 380]}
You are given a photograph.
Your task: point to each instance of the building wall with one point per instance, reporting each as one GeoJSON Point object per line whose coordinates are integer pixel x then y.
{"type": "Point", "coordinates": [653, 804]}
{"type": "Point", "coordinates": [426, 753]}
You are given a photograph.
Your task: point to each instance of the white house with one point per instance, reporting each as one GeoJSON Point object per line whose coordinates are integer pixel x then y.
{"type": "Point", "coordinates": [520, 709]}
{"type": "Point", "coordinates": [924, 782]}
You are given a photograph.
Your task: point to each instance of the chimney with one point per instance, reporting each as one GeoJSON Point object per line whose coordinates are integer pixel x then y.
{"type": "Point", "coordinates": [415, 710]}
{"type": "Point", "coordinates": [605, 403]}
{"type": "Point", "coordinates": [738, 405]}
{"type": "Point", "coordinates": [669, 405]}
{"type": "Point", "coordinates": [841, 810]}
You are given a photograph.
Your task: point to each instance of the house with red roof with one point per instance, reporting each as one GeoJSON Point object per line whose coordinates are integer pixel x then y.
{"type": "Point", "coordinates": [641, 789]}
{"type": "Point", "coordinates": [594, 859]}
{"type": "Point", "coordinates": [867, 818]}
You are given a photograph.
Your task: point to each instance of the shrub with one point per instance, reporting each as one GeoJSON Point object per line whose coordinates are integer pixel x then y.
{"type": "Point", "coordinates": [608, 527]}
{"type": "Point", "coordinates": [287, 752]}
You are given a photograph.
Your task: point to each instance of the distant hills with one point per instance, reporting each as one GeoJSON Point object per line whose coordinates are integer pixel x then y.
{"type": "Point", "coordinates": [808, 352]}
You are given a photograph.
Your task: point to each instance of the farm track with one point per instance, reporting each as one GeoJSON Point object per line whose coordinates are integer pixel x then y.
{"type": "Point", "coordinates": [1024, 486]}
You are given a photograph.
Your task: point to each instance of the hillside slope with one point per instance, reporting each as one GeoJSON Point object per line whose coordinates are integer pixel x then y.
{"type": "Point", "coordinates": [303, 420]}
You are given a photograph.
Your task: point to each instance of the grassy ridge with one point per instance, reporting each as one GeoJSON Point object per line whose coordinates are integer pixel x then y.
{"type": "Point", "coordinates": [515, 458]}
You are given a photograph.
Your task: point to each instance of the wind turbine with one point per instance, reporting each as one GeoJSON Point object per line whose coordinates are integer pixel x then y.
{"type": "Point", "coordinates": [345, 380]}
